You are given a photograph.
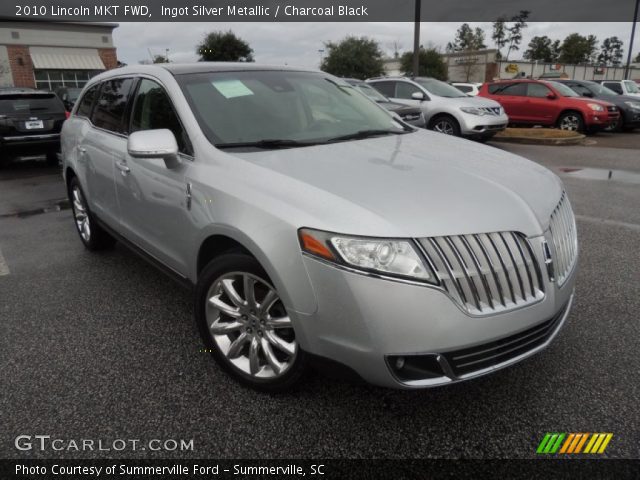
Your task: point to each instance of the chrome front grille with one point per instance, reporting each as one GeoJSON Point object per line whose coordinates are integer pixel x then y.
{"type": "Point", "coordinates": [488, 272]}
{"type": "Point", "coordinates": [565, 239]}
{"type": "Point", "coordinates": [491, 110]}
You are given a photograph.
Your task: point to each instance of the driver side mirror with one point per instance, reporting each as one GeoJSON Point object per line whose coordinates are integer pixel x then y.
{"type": "Point", "coordinates": [159, 143]}
{"type": "Point", "coordinates": [417, 96]}
{"type": "Point", "coordinates": [551, 96]}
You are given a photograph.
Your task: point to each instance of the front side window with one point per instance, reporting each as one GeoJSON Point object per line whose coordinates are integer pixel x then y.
{"type": "Point", "coordinates": [405, 90]}
{"type": "Point", "coordinates": [616, 87]}
{"type": "Point", "coordinates": [112, 103]}
{"type": "Point", "coordinates": [153, 110]}
{"type": "Point", "coordinates": [241, 107]}
{"type": "Point", "coordinates": [563, 90]}
{"type": "Point", "coordinates": [440, 88]}
{"type": "Point", "coordinates": [537, 90]}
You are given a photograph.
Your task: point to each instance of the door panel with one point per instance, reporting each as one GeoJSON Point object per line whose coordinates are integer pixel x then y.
{"type": "Point", "coordinates": [540, 108]}
{"type": "Point", "coordinates": [155, 212]}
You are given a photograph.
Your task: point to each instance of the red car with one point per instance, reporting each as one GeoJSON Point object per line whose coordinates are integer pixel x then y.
{"type": "Point", "coordinates": [549, 103]}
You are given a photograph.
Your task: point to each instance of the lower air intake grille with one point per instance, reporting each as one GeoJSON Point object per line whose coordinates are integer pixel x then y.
{"type": "Point", "coordinates": [477, 358]}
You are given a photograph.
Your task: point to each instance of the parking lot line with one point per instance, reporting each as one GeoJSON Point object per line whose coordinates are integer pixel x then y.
{"type": "Point", "coordinates": [605, 221]}
{"type": "Point", "coordinates": [4, 268]}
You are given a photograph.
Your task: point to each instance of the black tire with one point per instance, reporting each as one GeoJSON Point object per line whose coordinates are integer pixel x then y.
{"type": "Point", "coordinates": [485, 138]}
{"type": "Point", "coordinates": [233, 263]}
{"type": "Point", "coordinates": [571, 118]}
{"type": "Point", "coordinates": [98, 238]}
{"type": "Point", "coordinates": [616, 127]}
{"type": "Point", "coordinates": [445, 124]}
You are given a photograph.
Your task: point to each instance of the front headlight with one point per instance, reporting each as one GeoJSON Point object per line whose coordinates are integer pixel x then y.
{"type": "Point", "coordinates": [473, 111]}
{"type": "Point", "coordinates": [634, 105]}
{"type": "Point", "coordinates": [385, 256]}
{"type": "Point", "coordinates": [595, 107]}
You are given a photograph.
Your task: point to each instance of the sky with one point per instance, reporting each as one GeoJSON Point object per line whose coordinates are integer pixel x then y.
{"type": "Point", "coordinates": [299, 43]}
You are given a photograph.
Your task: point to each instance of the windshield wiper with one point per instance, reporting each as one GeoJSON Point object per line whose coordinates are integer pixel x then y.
{"type": "Point", "coordinates": [267, 143]}
{"type": "Point", "coordinates": [366, 134]}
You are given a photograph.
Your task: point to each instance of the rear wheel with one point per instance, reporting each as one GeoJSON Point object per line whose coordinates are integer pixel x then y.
{"type": "Point", "coordinates": [445, 124]}
{"type": "Point", "coordinates": [92, 235]}
{"type": "Point", "coordinates": [571, 121]}
{"type": "Point", "coordinates": [244, 323]}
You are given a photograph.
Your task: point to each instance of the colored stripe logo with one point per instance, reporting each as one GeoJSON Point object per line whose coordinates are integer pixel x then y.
{"type": "Point", "coordinates": [572, 443]}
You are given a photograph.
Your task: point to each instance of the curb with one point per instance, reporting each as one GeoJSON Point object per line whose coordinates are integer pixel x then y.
{"type": "Point", "coordinates": [577, 140]}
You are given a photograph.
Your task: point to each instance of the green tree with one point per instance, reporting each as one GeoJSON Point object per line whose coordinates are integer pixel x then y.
{"type": "Point", "coordinates": [578, 49]}
{"type": "Point", "coordinates": [357, 57]}
{"type": "Point", "coordinates": [224, 47]}
{"type": "Point", "coordinates": [467, 39]}
{"type": "Point", "coordinates": [514, 38]}
{"type": "Point", "coordinates": [499, 35]}
{"type": "Point", "coordinates": [160, 59]}
{"type": "Point", "coordinates": [637, 60]}
{"type": "Point", "coordinates": [611, 51]}
{"type": "Point", "coordinates": [432, 64]}
{"type": "Point", "coordinates": [540, 48]}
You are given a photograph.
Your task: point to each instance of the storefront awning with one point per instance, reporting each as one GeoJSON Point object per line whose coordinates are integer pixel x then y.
{"type": "Point", "coordinates": [52, 58]}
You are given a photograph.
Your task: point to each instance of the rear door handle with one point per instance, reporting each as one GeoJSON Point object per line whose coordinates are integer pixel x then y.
{"type": "Point", "coordinates": [122, 166]}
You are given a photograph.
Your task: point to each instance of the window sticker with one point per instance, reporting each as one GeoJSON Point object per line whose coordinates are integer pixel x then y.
{"type": "Point", "coordinates": [232, 88]}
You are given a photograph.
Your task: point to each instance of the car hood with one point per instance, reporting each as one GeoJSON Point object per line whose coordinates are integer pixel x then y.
{"type": "Point", "coordinates": [583, 100]}
{"type": "Point", "coordinates": [413, 185]}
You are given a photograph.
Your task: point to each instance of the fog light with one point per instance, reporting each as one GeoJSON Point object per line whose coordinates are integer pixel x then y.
{"type": "Point", "coordinates": [399, 362]}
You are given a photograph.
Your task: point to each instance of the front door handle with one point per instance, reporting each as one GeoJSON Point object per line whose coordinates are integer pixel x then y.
{"type": "Point", "coordinates": [122, 166]}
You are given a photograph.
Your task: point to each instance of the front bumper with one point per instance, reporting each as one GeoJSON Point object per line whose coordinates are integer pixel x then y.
{"type": "Point", "coordinates": [364, 322]}
{"type": "Point", "coordinates": [482, 124]}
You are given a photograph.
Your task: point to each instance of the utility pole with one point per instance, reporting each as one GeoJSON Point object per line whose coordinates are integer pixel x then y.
{"type": "Point", "coordinates": [633, 34]}
{"type": "Point", "coordinates": [416, 39]}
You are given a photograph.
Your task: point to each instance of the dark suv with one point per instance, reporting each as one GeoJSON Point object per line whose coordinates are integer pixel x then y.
{"type": "Point", "coordinates": [30, 123]}
{"type": "Point", "coordinates": [629, 106]}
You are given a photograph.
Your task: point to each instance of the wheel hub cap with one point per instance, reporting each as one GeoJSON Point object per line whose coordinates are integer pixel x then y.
{"type": "Point", "coordinates": [250, 326]}
{"type": "Point", "coordinates": [80, 214]}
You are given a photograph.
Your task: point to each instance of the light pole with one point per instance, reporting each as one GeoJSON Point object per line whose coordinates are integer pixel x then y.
{"type": "Point", "coordinates": [633, 34]}
{"type": "Point", "coordinates": [416, 39]}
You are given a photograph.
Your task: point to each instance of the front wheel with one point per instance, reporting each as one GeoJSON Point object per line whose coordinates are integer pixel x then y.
{"type": "Point", "coordinates": [571, 121]}
{"type": "Point", "coordinates": [445, 124]}
{"type": "Point", "coordinates": [245, 325]}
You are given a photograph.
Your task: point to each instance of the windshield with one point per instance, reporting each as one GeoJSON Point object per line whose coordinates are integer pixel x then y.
{"type": "Point", "coordinates": [269, 107]}
{"type": "Point", "coordinates": [371, 92]}
{"type": "Point", "coordinates": [563, 89]}
{"type": "Point", "coordinates": [632, 87]}
{"type": "Point", "coordinates": [438, 88]}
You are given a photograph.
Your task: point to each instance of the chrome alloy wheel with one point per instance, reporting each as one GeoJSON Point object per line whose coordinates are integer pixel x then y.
{"type": "Point", "coordinates": [443, 126]}
{"type": "Point", "coordinates": [570, 122]}
{"type": "Point", "coordinates": [81, 213]}
{"type": "Point", "coordinates": [250, 326]}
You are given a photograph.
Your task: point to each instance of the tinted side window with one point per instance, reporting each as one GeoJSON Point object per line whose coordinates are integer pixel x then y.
{"type": "Point", "coordinates": [579, 89]}
{"type": "Point", "coordinates": [616, 87]}
{"type": "Point", "coordinates": [463, 88]}
{"type": "Point", "coordinates": [536, 90]}
{"type": "Point", "coordinates": [405, 90]}
{"type": "Point", "coordinates": [86, 103]}
{"type": "Point", "coordinates": [112, 103]}
{"type": "Point", "coordinates": [153, 110]}
{"type": "Point", "coordinates": [386, 88]}
{"type": "Point", "coordinates": [518, 89]}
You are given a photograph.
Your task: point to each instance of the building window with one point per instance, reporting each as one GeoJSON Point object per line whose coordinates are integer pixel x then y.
{"type": "Point", "coordinates": [15, 35]}
{"type": "Point", "coordinates": [52, 79]}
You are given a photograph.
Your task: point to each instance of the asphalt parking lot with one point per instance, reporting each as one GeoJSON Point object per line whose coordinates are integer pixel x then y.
{"type": "Point", "coordinates": [104, 346]}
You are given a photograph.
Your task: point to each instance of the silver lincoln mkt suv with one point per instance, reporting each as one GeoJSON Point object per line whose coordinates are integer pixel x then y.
{"type": "Point", "coordinates": [315, 225]}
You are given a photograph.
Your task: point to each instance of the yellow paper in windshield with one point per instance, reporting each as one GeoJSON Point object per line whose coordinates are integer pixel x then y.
{"type": "Point", "coordinates": [232, 88]}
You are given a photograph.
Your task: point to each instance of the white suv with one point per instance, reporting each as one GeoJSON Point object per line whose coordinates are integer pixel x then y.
{"type": "Point", "coordinates": [446, 109]}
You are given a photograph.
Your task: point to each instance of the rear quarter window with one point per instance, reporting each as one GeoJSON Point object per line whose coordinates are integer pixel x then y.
{"type": "Point", "coordinates": [86, 103]}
